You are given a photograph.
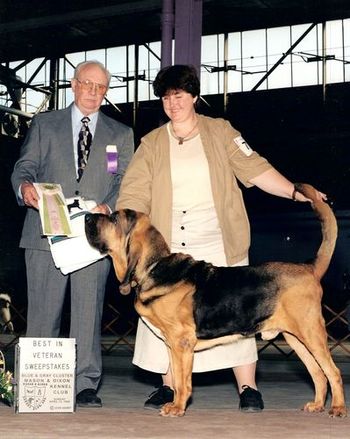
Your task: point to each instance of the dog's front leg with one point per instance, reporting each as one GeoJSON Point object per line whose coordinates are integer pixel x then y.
{"type": "Point", "coordinates": [181, 363]}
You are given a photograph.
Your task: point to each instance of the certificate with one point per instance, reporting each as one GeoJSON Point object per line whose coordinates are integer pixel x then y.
{"type": "Point", "coordinates": [53, 209]}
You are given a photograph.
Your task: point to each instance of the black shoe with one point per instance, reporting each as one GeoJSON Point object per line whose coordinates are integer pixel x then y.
{"type": "Point", "coordinates": [88, 398]}
{"type": "Point", "coordinates": [159, 397]}
{"type": "Point", "coordinates": [250, 400]}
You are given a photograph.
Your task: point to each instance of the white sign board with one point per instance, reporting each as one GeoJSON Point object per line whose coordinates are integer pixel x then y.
{"type": "Point", "coordinates": [45, 375]}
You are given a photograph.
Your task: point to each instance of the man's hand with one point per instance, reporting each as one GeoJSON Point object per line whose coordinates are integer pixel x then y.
{"type": "Point", "coordinates": [101, 208]}
{"type": "Point", "coordinates": [30, 195]}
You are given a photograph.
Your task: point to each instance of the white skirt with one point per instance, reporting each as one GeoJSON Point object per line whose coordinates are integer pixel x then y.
{"type": "Point", "coordinates": [197, 234]}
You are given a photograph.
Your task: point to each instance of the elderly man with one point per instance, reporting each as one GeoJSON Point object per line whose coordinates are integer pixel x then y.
{"type": "Point", "coordinates": [69, 147]}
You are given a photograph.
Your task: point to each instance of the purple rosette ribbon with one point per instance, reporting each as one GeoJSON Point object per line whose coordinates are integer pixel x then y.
{"type": "Point", "coordinates": [112, 159]}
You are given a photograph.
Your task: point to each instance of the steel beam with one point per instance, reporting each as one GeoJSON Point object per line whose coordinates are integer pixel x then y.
{"type": "Point", "coordinates": [167, 33]}
{"type": "Point", "coordinates": [284, 56]}
{"type": "Point", "coordinates": [15, 111]}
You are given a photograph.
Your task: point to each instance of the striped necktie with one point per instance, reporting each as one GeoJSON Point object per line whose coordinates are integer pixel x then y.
{"type": "Point", "coordinates": [84, 144]}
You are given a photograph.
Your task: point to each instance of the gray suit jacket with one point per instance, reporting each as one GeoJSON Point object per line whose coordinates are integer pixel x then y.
{"type": "Point", "coordinates": [47, 156]}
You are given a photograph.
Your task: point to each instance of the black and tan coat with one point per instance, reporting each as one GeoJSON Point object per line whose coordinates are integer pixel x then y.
{"type": "Point", "coordinates": [196, 305]}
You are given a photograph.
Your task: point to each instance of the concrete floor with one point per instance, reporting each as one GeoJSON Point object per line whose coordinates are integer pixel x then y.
{"type": "Point", "coordinates": [213, 413]}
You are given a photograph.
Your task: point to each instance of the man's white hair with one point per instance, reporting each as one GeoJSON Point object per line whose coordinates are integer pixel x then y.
{"type": "Point", "coordinates": [83, 64]}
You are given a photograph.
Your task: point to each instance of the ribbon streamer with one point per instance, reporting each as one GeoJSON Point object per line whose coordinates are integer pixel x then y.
{"type": "Point", "coordinates": [112, 159]}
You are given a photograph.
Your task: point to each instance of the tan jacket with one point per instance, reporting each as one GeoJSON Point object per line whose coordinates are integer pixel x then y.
{"type": "Point", "coordinates": [147, 187]}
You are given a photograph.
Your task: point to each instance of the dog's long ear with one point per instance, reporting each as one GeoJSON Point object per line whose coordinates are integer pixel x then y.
{"type": "Point", "coordinates": [133, 247]}
{"type": "Point", "coordinates": [133, 255]}
{"type": "Point", "coordinates": [127, 219]}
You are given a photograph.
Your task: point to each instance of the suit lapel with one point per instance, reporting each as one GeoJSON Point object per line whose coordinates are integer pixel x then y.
{"type": "Point", "coordinates": [65, 134]}
{"type": "Point", "coordinates": [101, 132]}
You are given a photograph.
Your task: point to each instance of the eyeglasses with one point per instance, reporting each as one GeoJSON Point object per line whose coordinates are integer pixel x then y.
{"type": "Point", "coordinates": [90, 85]}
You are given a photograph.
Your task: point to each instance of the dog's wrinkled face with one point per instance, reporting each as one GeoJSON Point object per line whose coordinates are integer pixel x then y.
{"type": "Point", "coordinates": [110, 234]}
{"type": "Point", "coordinates": [105, 233]}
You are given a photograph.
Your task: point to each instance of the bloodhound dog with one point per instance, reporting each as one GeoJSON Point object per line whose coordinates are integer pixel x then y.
{"type": "Point", "coordinates": [195, 305]}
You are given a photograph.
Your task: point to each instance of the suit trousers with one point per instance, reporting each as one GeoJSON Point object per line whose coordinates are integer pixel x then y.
{"type": "Point", "coordinates": [46, 293]}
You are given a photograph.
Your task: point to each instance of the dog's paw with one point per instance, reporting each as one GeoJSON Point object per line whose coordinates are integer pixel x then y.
{"type": "Point", "coordinates": [313, 407]}
{"type": "Point", "coordinates": [337, 412]}
{"type": "Point", "coordinates": [172, 410]}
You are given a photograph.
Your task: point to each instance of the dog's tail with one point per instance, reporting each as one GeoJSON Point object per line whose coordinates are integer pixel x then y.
{"type": "Point", "coordinates": [329, 229]}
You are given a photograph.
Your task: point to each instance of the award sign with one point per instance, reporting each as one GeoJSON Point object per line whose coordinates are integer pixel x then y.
{"type": "Point", "coordinates": [45, 375]}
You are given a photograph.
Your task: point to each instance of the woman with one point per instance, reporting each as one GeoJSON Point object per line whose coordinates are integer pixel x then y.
{"type": "Point", "coordinates": [184, 175]}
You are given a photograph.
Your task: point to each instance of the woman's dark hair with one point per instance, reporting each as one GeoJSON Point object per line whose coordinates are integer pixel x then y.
{"type": "Point", "coordinates": [178, 77]}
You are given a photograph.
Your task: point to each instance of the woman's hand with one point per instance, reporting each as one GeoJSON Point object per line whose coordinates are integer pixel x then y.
{"type": "Point", "coordinates": [297, 196]}
{"type": "Point", "coordinates": [274, 183]}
